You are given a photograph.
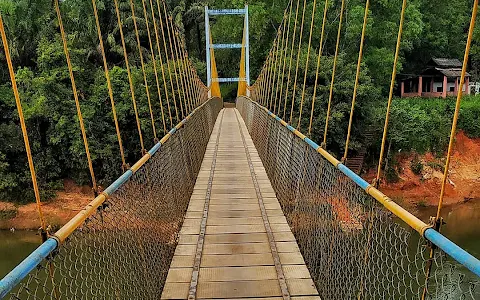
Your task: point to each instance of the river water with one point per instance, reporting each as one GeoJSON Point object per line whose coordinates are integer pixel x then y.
{"type": "Point", "coordinates": [463, 228]}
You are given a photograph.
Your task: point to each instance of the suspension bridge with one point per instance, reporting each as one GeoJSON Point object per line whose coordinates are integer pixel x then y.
{"type": "Point", "coordinates": [238, 202]}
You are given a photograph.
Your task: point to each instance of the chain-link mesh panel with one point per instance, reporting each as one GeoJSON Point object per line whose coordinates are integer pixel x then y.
{"type": "Point", "coordinates": [124, 250]}
{"type": "Point", "coordinates": [352, 246]}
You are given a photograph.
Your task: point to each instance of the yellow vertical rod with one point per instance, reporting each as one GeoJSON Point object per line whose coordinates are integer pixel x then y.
{"type": "Point", "coordinates": [271, 75]}
{"type": "Point", "coordinates": [130, 81]}
{"type": "Point", "coordinates": [457, 107]}
{"type": "Point", "coordinates": [291, 58]}
{"type": "Point", "coordinates": [22, 125]}
{"type": "Point", "coordinates": [147, 91]}
{"type": "Point", "coordinates": [272, 94]}
{"type": "Point", "coordinates": [319, 58]}
{"type": "Point", "coordinates": [179, 62]}
{"type": "Point", "coordinates": [109, 86]}
{"type": "Point", "coordinates": [357, 77]}
{"type": "Point", "coordinates": [306, 64]}
{"type": "Point", "coordinates": [75, 96]}
{"type": "Point", "coordinates": [390, 95]}
{"type": "Point", "coordinates": [284, 25]}
{"type": "Point", "coordinates": [167, 59]}
{"type": "Point", "coordinates": [285, 59]}
{"type": "Point", "coordinates": [264, 86]}
{"type": "Point", "coordinates": [298, 62]}
{"type": "Point", "coordinates": [152, 53]}
{"type": "Point", "coordinates": [180, 67]}
{"type": "Point", "coordinates": [190, 75]}
{"type": "Point", "coordinates": [172, 54]}
{"type": "Point", "coordinates": [161, 65]}
{"type": "Point", "coordinates": [195, 85]}
{"type": "Point", "coordinates": [187, 75]}
{"type": "Point", "coordinates": [339, 33]}
{"type": "Point", "coordinates": [267, 79]}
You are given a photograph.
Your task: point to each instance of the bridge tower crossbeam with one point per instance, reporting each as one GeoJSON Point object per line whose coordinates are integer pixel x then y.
{"type": "Point", "coordinates": [209, 45]}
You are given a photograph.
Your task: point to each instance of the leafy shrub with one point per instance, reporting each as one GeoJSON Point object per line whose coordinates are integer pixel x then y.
{"type": "Point", "coordinates": [416, 166]}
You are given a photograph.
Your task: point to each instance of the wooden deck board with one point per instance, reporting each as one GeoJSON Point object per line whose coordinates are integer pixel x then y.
{"type": "Point", "coordinates": [236, 254]}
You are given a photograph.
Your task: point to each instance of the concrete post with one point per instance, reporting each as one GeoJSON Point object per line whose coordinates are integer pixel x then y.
{"type": "Point", "coordinates": [467, 83]}
{"type": "Point", "coordinates": [402, 89]}
{"type": "Point", "coordinates": [444, 89]}
{"type": "Point", "coordinates": [455, 90]}
{"type": "Point", "coordinates": [420, 86]}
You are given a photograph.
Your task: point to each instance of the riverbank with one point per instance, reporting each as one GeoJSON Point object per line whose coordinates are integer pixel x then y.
{"type": "Point", "coordinates": [56, 211]}
{"type": "Point", "coordinates": [420, 176]}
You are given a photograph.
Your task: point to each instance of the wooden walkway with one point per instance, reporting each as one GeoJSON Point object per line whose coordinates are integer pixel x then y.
{"type": "Point", "coordinates": [235, 241]}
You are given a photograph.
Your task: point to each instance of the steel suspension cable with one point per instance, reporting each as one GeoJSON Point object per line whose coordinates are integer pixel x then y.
{"type": "Point", "coordinates": [285, 59]}
{"type": "Point", "coordinates": [161, 66]}
{"type": "Point", "coordinates": [152, 53]}
{"type": "Point", "coordinates": [262, 87]}
{"type": "Point", "coordinates": [152, 119]}
{"type": "Point", "coordinates": [172, 55]}
{"type": "Point", "coordinates": [272, 94]}
{"type": "Point", "coordinates": [291, 58]}
{"type": "Point", "coordinates": [284, 25]}
{"type": "Point", "coordinates": [457, 107]}
{"type": "Point", "coordinates": [166, 58]}
{"type": "Point", "coordinates": [357, 78]}
{"type": "Point", "coordinates": [75, 96]}
{"type": "Point", "coordinates": [26, 141]}
{"type": "Point", "coordinates": [390, 95]}
{"type": "Point", "coordinates": [319, 58]}
{"type": "Point", "coordinates": [109, 86]}
{"type": "Point", "coordinates": [272, 71]}
{"type": "Point", "coordinates": [43, 226]}
{"type": "Point", "coordinates": [337, 46]}
{"type": "Point", "coordinates": [179, 62]}
{"type": "Point", "coordinates": [437, 221]}
{"type": "Point", "coordinates": [297, 62]}
{"type": "Point", "coordinates": [306, 64]}
{"type": "Point", "coordinates": [189, 74]}
{"type": "Point", "coordinates": [130, 80]}
{"type": "Point", "coordinates": [267, 79]}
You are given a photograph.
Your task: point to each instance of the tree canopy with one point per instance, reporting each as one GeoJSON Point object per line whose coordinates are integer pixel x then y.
{"type": "Point", "coordinates": [432, 29]}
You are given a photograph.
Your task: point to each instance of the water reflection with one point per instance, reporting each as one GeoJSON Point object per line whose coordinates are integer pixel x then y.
{"type": "Point", "coordinates": [14, 247]}
{"type": "Point", "coordinates": [463, 224]}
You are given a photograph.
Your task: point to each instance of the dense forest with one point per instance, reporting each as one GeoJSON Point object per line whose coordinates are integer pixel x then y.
{"type": "Point", "coordinates": [432, 29]}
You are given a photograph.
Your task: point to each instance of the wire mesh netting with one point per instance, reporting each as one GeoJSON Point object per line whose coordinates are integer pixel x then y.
{"type": "Point", "coordinates": [124, 250]}
{"type": "Point", "coordinates": [352, 246]}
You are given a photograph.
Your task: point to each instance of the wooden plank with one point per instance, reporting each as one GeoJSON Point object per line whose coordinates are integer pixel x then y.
{"type": "Point", "coordinates": [233, 207]}
{"type": "Point", "coordinates": [235, 221]}
{"type": "Point", "coordinates": [237, 260]}
{"type": "Point", "coordinates": [291, 258]}
{"type": "Point", "coordinates": [179, 275]}
{"type": "Point", "coordinates": [237, 273]}
{"type": "Point", "coordinates": [236, 238]}
{"type": "Point", "coordinates": [182, 261]}
{"type": "Point", "coordinates": [185, 239]}
{"type": "Point", "coordinates": [176, 290]}
{"type": "Point", "coordinates": [185, 249]}
{"type": "Point", "coordinates": [301, 287]}
{"type": "Point", "coordinates": [236, 248]}
{"type": "Point", "coordinates": [235, 229]}
{"type": "Point", "coordinates": [235, 214]}
{"type": "Point", "coordinates": [296, 271]}
{"type": "Point", "coordinates": [236, 289]}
